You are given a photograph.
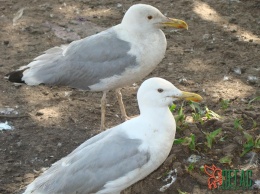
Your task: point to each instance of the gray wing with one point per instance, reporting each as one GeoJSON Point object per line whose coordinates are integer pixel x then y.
{"type": "Point", "coordinates": [88, 168]}
{"type": "Point", "coordinates": [82, 63]}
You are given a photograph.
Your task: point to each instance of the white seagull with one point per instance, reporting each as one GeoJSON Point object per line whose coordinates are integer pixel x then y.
{"type": "Point", "coordinates": [109, 60]}
{"type": "Point", "coordinates": [120, 156]}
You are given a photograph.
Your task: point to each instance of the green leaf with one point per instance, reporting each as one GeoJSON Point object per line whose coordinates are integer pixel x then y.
{"type": "Point", "coordinates": [226, 160]}
{"type": "Point", "coordinates": [192, 143]}
{"type": "Point", "coordinates": [178, 141]}
{"type": "Point", "coordinates": [254, 99]}
{"type": "Point", "coordinates": [238, 124]}
{"type": "Point", "coordinates": [224, 104]}
{"type": "Point", "coordinates": [173, 107]}
{"type": "Point", "coordinates": [190, 167]}
{"type": "Point", "coordinates": [202, 168]}
{"type": "Point", "coordinates": [196, 108]}
{"type": "Point", "coordinates": [211, 136]}
{"type": "Point", "coordinates": [180, 117]}
{"type": "Point", "coordinates": [180, 192]}
{"type": "Point", "coordinates": [211, 114]}
{"type": "Point", "coordinates": [186, 141]}
{"type": "Point", "coordinates": [249, 145]}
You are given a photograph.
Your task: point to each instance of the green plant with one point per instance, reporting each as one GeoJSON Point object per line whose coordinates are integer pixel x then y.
{"type": "Point", "coordinates": [254, 99]}
{"type": "Point", "coordinates": [187, 141]}
{"type": "Point", "coordinates": [180, 117]}
{"type": "Point", "coordinates": [226, 160]}
{"type": "Point", "coordinates": [180, 192]}
{"type": "Point", "coordinates": [202, 168]}
{"type": "Point", "coordinates": [211, 137]}
{"type": "Point", "coordinates": [210, 114]}
{"type": "Point", "coordinates": [198, 112]}
{"type": "Point", "coordinates": [190, 167]}
{"type": "Point", "coordinates": [172, 107]}
{"type": "Point", "coordinates": [224, 104]}
{"type": "Point", "coordinates": [238, 124]}
{"type": "Point", "coordinates": [250, 143]}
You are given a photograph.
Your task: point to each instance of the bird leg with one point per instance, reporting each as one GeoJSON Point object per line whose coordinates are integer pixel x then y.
{"type": "Point", "coordinates": [121, 105]}
{"type": "Point", "coordinates": [103, 110]}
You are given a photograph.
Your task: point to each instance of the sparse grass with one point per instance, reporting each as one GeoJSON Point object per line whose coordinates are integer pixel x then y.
{"type": "Point", "coordinates": [198, 112]}
{"type": "Point", "coordinates": [238, 124]}
{"type": "Point", "coordinates": [254, 99]}
{"type": "Point", "coordinates": [226, 160]}
{"type": "Point", "coordinates": [211, 137]}
{"type": "Point", "coordinates": [187, 141]}
{"type": "Point", "coordinates": [172, 107]}
{"type": "Point", "coordinates": [201, 114]}
{"type": "Point", "coordinates": [190, 167]}
{"type": "Point", "coordinates": [180, 117]}
{"type": "Point", "coordinates": [250, 143]}
{"type": "Point", "coordinates": [181, 192]}
{"type": "Point", "coordinates": [211, 114]}
{"type": "Point", "coordinates": [224, 104]}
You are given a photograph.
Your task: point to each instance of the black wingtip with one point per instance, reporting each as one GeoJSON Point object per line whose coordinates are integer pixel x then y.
{"type": "Point", "coordinates": [15, 76]}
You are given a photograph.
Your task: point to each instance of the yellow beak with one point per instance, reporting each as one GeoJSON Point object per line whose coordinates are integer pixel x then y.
{"type": "Point", "coordinates": [190, 96]}
{"type": "Point", "coordinates": [175, 23]}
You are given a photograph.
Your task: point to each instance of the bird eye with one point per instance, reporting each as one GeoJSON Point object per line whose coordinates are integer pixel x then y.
{"type": "Point", "coordinates": [160, 90]}
{"type": "Point", "coordinates": [150, 17]}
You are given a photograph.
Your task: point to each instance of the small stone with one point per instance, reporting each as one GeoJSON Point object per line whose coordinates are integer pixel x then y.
{"type": "Point", "coordinates": [183, 81]}
{"type": "Point", "coordinates": [237, 71]}
{"type": "Point", "coordinates": [251, 40]}
{"type": "Point", "coordinates": [194, 158]}
{"type": "Point", "coordinates": [252, 79]}
{"type": "Point", "coordinates": [205, 36]}
{"type": "Point", "coordinates": [225, 78]}
{"type": "Point", "coordinates": [19, 144]}
{"type": "Point", "coordinates": [119, 5]}
{"type": "Point", "coordinates": [234, 38]}
{"type": "Point", "coordinates": [210, 47]}
{"type": "Point", "coordinates": [233, 21]}
{"type": "Point", "coordinates": [6, 42]}
{"type": "Point", "coordinates": [39, 114]}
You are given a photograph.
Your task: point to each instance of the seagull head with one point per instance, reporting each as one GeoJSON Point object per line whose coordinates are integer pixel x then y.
{"type": "Point", "coordinates": [142, 16]}
{"type": "Point", "coordinates": [158, 92]}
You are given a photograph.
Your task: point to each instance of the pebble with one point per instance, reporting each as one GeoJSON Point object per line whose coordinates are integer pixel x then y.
{"type": "Point", "coordinates": [6, 42]}
{"type": "Point", "coordinates": [252, 79]}
{"type": "Point", "coordinates": [210, 47]}
{"type": "Point", "coordinates": [194, 158]}
{"type": "Point", "coordinates": [205, 36]}
{"type": "Point", "coordinates": [225, 78]}
{"type": "Point", "coordinates": [237, 71]}
{"type": "Point", "coordinates": [234, 38]}
{"type": "Point", "coordinates": [39, 114]}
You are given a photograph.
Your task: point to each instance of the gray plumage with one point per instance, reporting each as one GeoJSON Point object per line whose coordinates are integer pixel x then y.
{"type": "Point", "coordinates": [82, 63]}
{"type": "Point", "coordinates": [86, 170]}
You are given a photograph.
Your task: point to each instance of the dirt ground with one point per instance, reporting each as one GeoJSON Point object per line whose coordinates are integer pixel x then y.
{"type": "Point", "coordinates": [218, 57]}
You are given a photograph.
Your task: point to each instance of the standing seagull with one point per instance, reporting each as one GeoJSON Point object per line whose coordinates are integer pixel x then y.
{"type": "Point", "coordinates": [112, 59]}
{"type": "Point", "coordinates": [118, 157]}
